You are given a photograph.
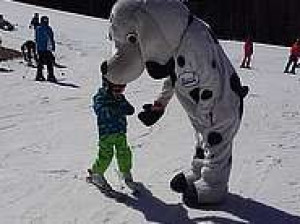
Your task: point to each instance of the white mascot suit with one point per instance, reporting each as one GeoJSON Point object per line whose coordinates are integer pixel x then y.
{"type": "Point", "coordinates": [163, 37]}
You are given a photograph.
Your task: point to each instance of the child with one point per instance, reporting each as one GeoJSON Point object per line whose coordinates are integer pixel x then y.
{"type": "Point", "coordinates": [28, 49]}
{"type": "Point", "coordinates": [111, 108]}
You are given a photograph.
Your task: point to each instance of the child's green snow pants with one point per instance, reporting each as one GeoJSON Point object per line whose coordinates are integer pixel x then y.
{"type": "Point", "coordinates": [107, 145]}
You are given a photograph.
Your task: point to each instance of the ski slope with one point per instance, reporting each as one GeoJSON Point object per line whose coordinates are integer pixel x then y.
{"type": "Point", "coordinates": [48, 137]}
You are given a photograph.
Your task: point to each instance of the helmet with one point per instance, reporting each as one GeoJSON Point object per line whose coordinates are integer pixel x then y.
{"type": "Point", "coordinates": [45, 20]}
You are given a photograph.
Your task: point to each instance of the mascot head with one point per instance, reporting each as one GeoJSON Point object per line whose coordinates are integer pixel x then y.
{"type": "Point", "coordinates": [145, 33]}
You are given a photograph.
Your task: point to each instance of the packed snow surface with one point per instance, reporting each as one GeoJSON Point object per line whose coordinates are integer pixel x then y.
{"type": "Point", "coordinates": [48, 137]}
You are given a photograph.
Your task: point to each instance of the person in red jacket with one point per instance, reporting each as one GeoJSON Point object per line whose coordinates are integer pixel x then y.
{"type": "Point", "coordinates": [293, 58]}
{"type": "Point", "coordinates": [248, 51]}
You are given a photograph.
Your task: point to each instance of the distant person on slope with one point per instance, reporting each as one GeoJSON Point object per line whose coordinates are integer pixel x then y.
{"type": "Point", "coordinates": [5, 25]}
{"type": "Point", "coordinates": [44, 39]}
{"type": "Point", "coordinates": [35, 21]}
{"type": "Point", "coordinates": [111, 108]}
{"type": "Point", "coordinates": [28, 49]}
{"type": "Point", "coordinates": [248, 52]}
{"type": "Point", "coordinates": [293, 58]}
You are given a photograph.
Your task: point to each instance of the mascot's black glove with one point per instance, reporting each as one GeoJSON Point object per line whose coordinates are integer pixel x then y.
{"type": "Point", "coordinates": [151, 113]}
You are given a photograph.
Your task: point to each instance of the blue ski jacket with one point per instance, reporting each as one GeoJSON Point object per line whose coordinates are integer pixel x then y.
{"type": "Point", "coordinates": [44, 38]}
{"type": "Point", "coordinates": [111, 112]}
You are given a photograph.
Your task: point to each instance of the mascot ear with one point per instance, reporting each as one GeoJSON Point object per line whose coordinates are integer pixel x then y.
{"type": "Point", "coordinates": [158, 71]}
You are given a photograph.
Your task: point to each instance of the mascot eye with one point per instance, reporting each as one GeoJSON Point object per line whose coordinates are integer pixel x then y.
{"type": "Point", "coordinates": [131, 38]}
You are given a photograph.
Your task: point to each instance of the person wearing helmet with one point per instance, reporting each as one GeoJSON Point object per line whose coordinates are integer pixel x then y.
{"type": "Point", "coordinates": [28, 49]}
{"type": "Point", "coordinates": [111, 108]}
{"type": "Point", "coordinates": [35, 21]}
{"type": "Point", "coordinates": [45, 45]}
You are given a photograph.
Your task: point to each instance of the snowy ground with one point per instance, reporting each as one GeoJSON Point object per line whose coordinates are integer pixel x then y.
{"type": "Point", "coordinates": [48, 138]}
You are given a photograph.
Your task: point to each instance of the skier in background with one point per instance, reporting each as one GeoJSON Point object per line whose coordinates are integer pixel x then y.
{"type": "Point", "coordinates": [45, 44]}
{"type": "Point", "coordinates": [111, 108]}
{"type": "Point", "coordinates": [293, 58]}
{"type": "Point", "coordinates": [28, 49]}
{"type": "Point", "coordinates": [5, 25]}
{"type": "Point", "coordinates": [248, 52]}
{"type": "Point", "coordinates": [35, 21]}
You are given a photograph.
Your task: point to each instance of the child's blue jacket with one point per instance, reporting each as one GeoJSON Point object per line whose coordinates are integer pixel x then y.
{"type": "Point", "coordinates": [111, 112]}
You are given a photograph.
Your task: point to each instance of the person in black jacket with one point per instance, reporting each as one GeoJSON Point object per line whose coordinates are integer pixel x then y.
{"type": "Point", "coordinates": [45, 44]}
{"type": "Point", "coordinates": [35, 21]}
{"type": "Point", "coordinates": [28, 49]}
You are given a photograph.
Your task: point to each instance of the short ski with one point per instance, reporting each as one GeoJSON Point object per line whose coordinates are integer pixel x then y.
{"type": "Point", "coordinates": [110, 193]}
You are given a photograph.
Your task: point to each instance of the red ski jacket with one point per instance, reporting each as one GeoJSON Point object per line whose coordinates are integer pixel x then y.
{"type": "Point", "coordinates": [248, 47]}
{"type": "Point", "coordinates": [295, 49]}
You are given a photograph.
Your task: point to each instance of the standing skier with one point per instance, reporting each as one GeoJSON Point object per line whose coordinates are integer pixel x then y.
{"type": "Point", "coordinates": [35, 21]}
{"type": "Point", "coordinates": [293, 58]}
{"type": "Point", "coordinates": [248, 52]}
{"type": "Point", "coordinates": [45, 44]}
{"type": "Point", "coordinates": [111, 108]}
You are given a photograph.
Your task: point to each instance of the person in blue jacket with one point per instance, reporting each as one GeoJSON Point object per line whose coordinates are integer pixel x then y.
{"type": "Point", "coordinates": [111, 108]}
{"type": "Point", "coordinates": [45, 45]}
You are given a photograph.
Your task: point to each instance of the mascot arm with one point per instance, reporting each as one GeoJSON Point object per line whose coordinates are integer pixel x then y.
{"type": "Point", "coordinates": [153, 112]}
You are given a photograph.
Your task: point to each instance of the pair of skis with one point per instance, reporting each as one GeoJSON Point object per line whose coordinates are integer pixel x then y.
{"type": "Point", "coordinates": [110, 192]}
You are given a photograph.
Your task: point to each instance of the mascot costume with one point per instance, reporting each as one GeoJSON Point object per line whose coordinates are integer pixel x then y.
{"type": "Point", "coordinates": [163, 37]}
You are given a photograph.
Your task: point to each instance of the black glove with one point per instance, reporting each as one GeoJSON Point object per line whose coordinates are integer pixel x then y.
{"type": "Point", "coordinates": [148, 116]}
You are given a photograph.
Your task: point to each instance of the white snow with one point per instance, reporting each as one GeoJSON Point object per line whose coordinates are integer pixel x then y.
{"type": "Point", "coordinates": [48, 137]}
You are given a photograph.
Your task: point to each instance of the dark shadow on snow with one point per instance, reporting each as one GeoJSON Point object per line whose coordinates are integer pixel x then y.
{"type": "Point", "coordinates": [60, 83]}
{"type": "Point", "coordinates": [250, 211]}
{"type": "Point", "coordinates": [59, 65]}
{"type": "Point", "coordinates": [155, 210]}
{"type": "Point", "coordinates": [6, 70]}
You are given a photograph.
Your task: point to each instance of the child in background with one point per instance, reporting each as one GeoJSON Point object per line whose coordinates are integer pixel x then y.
{"type": "Point", "coordinates": [111, 108]}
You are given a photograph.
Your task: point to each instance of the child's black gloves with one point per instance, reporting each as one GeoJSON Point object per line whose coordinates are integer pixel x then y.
{"type": "Point", "coordinates": [151, 113]}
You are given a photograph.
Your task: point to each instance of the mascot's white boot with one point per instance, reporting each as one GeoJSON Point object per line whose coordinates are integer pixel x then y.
{"type": "Point", "coordinates": [163, 37]}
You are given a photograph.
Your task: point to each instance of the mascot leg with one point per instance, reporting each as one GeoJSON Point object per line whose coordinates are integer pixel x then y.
{"type": "Point", "coordinates": [214, 169]}
{"type": "Point", "coordinates": [182, 180]}
{"type": "Point", "coordinates": [207, 181]}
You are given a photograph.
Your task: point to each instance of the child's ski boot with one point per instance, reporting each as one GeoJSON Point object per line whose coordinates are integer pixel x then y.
{"type": "Point", "coordinates": [99, 180]}
{"type": "Point", "coordinates": [131, 184]}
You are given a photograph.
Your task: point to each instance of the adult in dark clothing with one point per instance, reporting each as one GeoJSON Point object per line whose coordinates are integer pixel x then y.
{"type": "Point", "coordinates": [35, 21]}
{"type": "Point", "coordinates": [28, 49]}
{"type": "Point", "coordinates": [45, 43]}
